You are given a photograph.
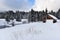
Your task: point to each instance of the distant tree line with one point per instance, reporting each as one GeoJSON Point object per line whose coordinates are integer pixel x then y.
{"type": "Point", "coordinates": [32, 15]}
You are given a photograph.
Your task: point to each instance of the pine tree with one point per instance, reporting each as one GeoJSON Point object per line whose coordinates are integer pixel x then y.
{"type": "Point", "coordinates": [7, 19]}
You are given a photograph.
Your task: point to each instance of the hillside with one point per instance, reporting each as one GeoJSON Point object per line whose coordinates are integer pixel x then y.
{"type": "Point", "coordinates": [32, 31]}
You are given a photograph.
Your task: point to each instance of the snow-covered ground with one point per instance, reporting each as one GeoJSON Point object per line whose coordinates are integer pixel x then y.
{"type": "Point", "coordinates": [31, 31]}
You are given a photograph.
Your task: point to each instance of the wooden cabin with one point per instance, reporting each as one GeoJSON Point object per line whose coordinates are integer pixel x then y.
{"type": "Point", "coordinates": [48, 17]}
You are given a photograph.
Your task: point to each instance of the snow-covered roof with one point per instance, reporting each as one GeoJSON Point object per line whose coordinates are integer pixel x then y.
{"type": "Point", "coordinates": [53, 16]}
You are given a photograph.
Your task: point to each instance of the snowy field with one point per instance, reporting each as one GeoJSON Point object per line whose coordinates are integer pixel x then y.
{"type": "Point", "coordinates": [31, 31]}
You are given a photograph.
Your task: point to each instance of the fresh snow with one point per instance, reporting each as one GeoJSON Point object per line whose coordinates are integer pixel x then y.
{"type": "Point", "coordinates": [31, 31]}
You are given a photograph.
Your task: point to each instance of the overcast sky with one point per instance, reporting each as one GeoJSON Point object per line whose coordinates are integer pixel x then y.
{"type": "Point", "coordinates": [49, 4]}
{"type": "Point", "coordinates": [37, 5]}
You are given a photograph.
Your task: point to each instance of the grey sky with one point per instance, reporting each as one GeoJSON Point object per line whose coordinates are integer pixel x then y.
{"type": "Point", "coordinates": [19, 4]}
{"type": "Point", "coordinates": [16, 4]}
{"type": "Point", "coordinates": [49, 4]}
{"type": "Point", "coordinates": [25, 5]}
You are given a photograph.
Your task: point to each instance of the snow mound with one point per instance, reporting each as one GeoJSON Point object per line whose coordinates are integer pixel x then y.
{"type": "Point", "coordinates": [32, 31]}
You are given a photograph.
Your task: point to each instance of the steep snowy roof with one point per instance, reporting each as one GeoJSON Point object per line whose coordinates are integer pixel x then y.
{"type": "Point", "coordinates": [53, 16]}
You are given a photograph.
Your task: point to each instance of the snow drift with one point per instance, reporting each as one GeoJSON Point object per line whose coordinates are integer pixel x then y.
{"type": "Point", "coordinates": [32, 31]}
